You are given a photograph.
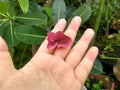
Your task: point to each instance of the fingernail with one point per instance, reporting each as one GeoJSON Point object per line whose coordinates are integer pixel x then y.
{"type": "Point", "coordinates": [77, 18]}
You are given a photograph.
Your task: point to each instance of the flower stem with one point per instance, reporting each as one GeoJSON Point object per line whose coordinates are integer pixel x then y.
{"type": "Point", "coordinates": [98, 19]}
{"type": "Point", "coordinates": [22, 57]}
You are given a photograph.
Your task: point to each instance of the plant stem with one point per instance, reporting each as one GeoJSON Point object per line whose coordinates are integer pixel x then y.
{"type": "Point", "coordinates": [22, 57]}
{"type": "Point", "coordinates": [3, 21]}
{"type": "Point", "coordinates": [106, 16]}
{"type": "Point", "coordinates": [111, 58]}
{"type": "Point", "coordinates": [3, 14]}
{"type": "Point", "coordinates": [98, 19]}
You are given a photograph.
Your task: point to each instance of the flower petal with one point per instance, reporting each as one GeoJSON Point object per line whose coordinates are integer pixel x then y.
{"type": "Point", "coordinates": [51, 37]}
{"type": "Point", "coordinates": [58, 39]}
{"type": "Point", "coordinates": [59, 35]}
{"type": "Point", "coordinates": [65, 41]}
{"type": "Point", "coordinates": [51, 45]}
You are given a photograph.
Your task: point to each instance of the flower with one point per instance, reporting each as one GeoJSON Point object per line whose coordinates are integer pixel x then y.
{"type": "Point", "coordinates": [113, 86]}
{"type": "Point", "coordinates": [58, 39]}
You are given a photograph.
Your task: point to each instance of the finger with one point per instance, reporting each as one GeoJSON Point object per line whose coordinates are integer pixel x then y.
{"type": "Point", "coordinates": [78, 51]}
{"type": "Point", "coordinates": [3, 45]}
{"type": "Point", "coordinates": [84, 67]}
{"type": "Point", "coordinates": [6, 64]}
{"type": "Point", "coordinates": [71, 32]}
{"type": "Point", "coordinates": [58, 27]}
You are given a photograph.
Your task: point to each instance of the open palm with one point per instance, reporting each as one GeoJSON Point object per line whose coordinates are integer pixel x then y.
{"type": "Point", "coordinates": [51, 69]}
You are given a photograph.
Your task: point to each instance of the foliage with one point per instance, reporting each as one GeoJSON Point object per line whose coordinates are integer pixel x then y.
{"type": "Point", "coordinates": [32, 23]}
{"type": "Point", "coordinates": [24, 4]}
{"type": "Point", "coordinates": [24, 23]}
{"type": "Point", "coordinates": [29, 21]}
{"type": "Point", "coordinates": [97, 67]}
{"type": "Point", "coordinates": [59, 9]}
{"type": "Point", "coordinates": [97, 85]}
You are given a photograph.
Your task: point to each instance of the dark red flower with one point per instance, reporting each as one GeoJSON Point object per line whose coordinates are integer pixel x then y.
{"type": "Point", "coordinates": [58, 39]}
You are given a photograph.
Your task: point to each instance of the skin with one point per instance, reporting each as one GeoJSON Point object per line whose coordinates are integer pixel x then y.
{"type": "Point", "coordinates": [58, 69]}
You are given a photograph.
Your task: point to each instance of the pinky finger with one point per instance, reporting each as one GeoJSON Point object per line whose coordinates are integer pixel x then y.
{"type": "Point", "coordinates": [84, 67]}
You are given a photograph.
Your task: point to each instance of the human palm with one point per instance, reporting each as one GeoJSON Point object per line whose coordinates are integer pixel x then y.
{"type": "Point", "coordinates": [51, 69]}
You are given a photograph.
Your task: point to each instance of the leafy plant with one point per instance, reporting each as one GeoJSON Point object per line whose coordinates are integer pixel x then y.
{"type": "Point", "coordinates": [97, 85]}
{"type": "Point", "coordinates": [97, 68]}
{"type": "Point", "coordinates": [29, 22]}
{"type": "Point", "coordinates": [25, 23]}
{"type": "Point", "coordinates": [32, 19]}
{"type": "Point", "coordinates": [32, 23]}
{"type": "Point", "coordinates": [24, 4]}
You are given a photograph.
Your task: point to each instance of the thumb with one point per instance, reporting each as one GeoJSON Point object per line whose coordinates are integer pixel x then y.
{"type": "Point", "coordinates": [6, 64]}
{"type": "Point", "coordinates": [3, 45]}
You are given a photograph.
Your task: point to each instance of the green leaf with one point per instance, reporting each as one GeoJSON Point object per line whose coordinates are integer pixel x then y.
{"type": "Point", "coordinates": [34, 7]}
{"type": "Point", "coordinates": [9, 36]}
{"type": "Point", "coordinates": [12, 10]}
{"type": "Point", "coordinates": [4, 7]}
{"type": "Point", "coordinates": [29, 34]}
{"type": "Point", "coordinates": [70, 10]}
{"type": "Point", "coordinates": [12, 51]}
{"type": "Point", "coordinates": [24, 4]}
{"type": "Point", "coordinates": [84, 11]}
{"type": "Point", "coordinates": [48, 10]}
{"type": "Point", "coordinates": [4, 0]}
{"type": "Point", "coordinates": [3, 24]}
{"type": "Point", "coordinates": [59, 9]}
{"type": "Point", "coordinates": [97, 67]}
{"type": "Point", "coordinates": [35, 18]}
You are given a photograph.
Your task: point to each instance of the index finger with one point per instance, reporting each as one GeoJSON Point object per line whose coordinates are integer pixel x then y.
{"type": "Point", "coordinates": [60, 26]}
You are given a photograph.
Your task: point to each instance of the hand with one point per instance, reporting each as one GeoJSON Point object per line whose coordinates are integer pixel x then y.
{"type": "Point", "coordinates": [51, 69]}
